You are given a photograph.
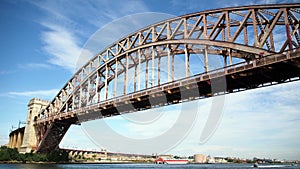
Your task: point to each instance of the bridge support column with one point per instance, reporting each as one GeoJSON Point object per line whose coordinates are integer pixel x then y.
{"type": "Point", "coordinates": [10, 141]}
{"type": "Point", "coordinates": [14, 142]}
{"type": "Point", "coordinates": [19, 140]}
{"type": "Point", "coordinates": [30, 134]}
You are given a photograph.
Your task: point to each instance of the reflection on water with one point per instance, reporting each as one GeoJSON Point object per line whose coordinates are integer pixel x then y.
{"type": "Point", "coordinates": [145, 166]}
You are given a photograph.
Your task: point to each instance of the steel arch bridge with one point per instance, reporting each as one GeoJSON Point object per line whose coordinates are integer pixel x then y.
{"type": "Point", "coordinates": [258, 46]}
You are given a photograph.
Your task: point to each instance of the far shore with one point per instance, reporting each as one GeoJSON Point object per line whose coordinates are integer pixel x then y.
{"type": "Point", "coordinates": [73, 162]}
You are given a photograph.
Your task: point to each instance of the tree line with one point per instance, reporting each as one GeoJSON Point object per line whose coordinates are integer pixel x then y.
{"type": "Point", "coordinates": [12, 155]}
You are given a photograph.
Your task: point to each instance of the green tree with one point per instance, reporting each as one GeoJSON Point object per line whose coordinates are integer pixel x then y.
{"type": "Point", "coordinates": [8, 154]}
{"type": "Point", "coordinates": [58, 156]}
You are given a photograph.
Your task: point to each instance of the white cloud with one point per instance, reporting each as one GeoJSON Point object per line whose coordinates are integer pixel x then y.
{"type": "Point", "coordinates": [70, 24]}
{"type": "Point", "coordinates": [45, 94]}
{"type": "Point", "coordinates": [63, 47]}
{"type": "Point", "coordinates": [34, 66]}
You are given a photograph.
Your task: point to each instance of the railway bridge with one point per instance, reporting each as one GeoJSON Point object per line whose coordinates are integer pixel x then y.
{"type": "Point", "coordinates": [174, 61]}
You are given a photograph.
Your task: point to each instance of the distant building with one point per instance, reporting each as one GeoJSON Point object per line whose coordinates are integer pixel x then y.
{"type": "Point", "coordinates": [200, 158]}
{"type": "Point", "coordinates": [166, 156]}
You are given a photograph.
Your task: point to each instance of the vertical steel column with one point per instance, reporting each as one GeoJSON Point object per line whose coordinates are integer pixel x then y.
{"type": "Point", "coordinates": [185, 34]}
{"type": "Point", "coordinates": [97, 86]}
{"type": "Point", "coordinates": [187, 61]}
{"type": "Point", "coordinates": [73, 95]}
{"type": "Point", "coordinates": [287, 30]}
{"type": "Point", "coordinates": [205, 26]}
{"type": "Point", "coordinates": [245, 36]}
{"type": "Point", "coordinates": [153, 64]}
{"type": "Point", "coordinates": [206, 59]}
{"type": "Point", "coordinates": [168, 30]}
{"type": "Point", "coordinates": [225, 60]}
{"type": "Point", "coordinates": [228, 25]}
{"type": "Point", "coordinates": [67, 104]}
{"type": "Point", "coordinates": [139, 70]}
{"type": "Point", "coordinates": [134, 78]}
{"type": "Point", "coordinates": [256, 43]}
{"type": "Point", "coordinates": [230, 57]}
{"type": "Point", "coordinates": [97, 81]}
{"type": "Point", "coordinates": [88, 92]}
{"type": "Point", "coordinates": [125, 75]}
{"type": "Point", "coordinates": [146, 76]}
{"type": "Point", "coordinates": [173, 74]}
{"type": "Point", "coordinates": [80, 96]}
{"type": "Point", "coordinates": [116, 78]}
{"type": "Point", "coordinates": [169, 52]}
{"type": "Point", "coordinates": [106, 84]}
{"type": "Point", "coordinates": [158, 71]}
{"type": "Point", "coordinates": [272, 42]}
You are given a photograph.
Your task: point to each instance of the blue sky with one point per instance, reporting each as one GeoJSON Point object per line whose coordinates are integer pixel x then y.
{"type": "Point", "coordinates": [40, 44]}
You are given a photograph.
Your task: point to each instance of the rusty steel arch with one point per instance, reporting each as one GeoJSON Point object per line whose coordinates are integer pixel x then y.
{"type": "Point", "coordinates": [249, 33]}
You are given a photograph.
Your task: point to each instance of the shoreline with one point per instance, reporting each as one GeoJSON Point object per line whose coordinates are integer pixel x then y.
{"type": "Point", "coordinates": [45, 163]}
{"type": "Point", "coordinates": [33, 162]}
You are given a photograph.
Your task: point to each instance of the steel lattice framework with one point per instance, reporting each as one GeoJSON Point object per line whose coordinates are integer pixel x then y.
{"type": "Point", "coordinates": [261, 36]}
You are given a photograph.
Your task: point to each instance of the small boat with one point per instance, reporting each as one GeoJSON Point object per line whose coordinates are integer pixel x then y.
{"type": "Point", "coordinates": [176, 161]}
{"type": "Point", "coordinates": [255, 165]}
{"type": "Point", "coordinates": [171, 161]}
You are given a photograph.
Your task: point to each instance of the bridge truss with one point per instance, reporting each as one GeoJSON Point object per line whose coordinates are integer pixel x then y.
{"type": "Point", "coordinates": [257, 45]}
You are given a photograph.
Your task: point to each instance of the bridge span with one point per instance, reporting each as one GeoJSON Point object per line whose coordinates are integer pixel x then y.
{"type": "Point", "coordinates": [256, 46]}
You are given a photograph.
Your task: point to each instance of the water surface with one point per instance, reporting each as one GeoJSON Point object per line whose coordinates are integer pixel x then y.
{"type": "Point", "coordinates": [142, 166]}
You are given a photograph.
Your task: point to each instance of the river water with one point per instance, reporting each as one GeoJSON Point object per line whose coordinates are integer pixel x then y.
{"type": "Point", "coordinates": [143, 166]}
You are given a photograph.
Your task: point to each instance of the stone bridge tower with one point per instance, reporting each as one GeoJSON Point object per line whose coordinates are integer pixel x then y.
{"type": "Point", "coordinates": [30, 138]}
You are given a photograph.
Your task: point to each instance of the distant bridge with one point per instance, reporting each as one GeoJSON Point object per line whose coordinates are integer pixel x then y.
{"type": "Point", "coordinates": [101, 154]}
{"type": "Point", "coordinates": [256, 45]}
